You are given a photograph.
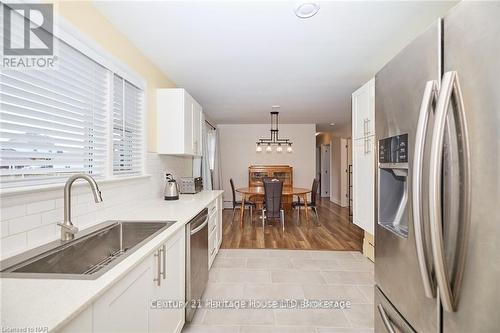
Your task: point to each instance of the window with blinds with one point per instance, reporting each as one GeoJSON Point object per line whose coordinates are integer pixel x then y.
{"type": "Point", "coordinates": [67, 120]}
{"type": "Point", "coordinates": [127, 128]}
{"type": "Point", "coordinates": [53, 122]}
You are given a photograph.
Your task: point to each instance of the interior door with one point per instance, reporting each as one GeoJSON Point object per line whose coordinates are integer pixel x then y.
{"type": "Point", "coordinates": [472, 49]}
{"type": "Point", "coordinates": [325, 170]}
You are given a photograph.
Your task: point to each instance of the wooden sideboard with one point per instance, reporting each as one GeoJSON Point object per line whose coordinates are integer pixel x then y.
{"type": "Point", "coordinates": [256, 174]}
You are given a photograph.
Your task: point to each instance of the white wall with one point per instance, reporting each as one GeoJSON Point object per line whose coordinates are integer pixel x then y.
{"type": "Point", "coordinates": [237, 144]}
{"type": "Point", "coordinates": [28, 220]}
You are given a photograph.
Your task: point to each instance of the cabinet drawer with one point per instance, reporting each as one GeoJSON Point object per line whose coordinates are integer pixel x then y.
{"type": "Point", "coordinates": [212, 223]}
{"type": "Point", "coordinates": [212, 248]}
{"type": "Point", "coordinates": [212, 207]}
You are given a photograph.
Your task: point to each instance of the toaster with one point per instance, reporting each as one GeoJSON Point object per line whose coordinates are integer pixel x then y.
{"type": "Point", "coordinates": [191, 185]}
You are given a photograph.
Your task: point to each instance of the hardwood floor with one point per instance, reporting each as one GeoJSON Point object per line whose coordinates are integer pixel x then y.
{"type": "Point", "coordinates": [335, 231]}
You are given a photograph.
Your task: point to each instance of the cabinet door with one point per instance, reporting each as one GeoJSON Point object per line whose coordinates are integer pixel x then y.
{"type": "Point", "coordinates": [124, 308]}
{"type": "Point", "coordinates": [167, 316]}
{"type": "Point", "coordinates": [212, 238]}
{"type": "Point", "coordinates": [197, 129]}
{"type": "Point", "coordinates": [363, 110]}
{"type": "Point", "coordinates": [219, 223]}
{"type": "Point", "coordinates": [188, 124]}
{"type": "Point", "coordinates": [363, 176]}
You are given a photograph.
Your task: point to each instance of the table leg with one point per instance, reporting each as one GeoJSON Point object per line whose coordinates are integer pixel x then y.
{"type": "Point", "coordinates": [242, 212]}
{"type": "Point", "coordinates": [304, 197]}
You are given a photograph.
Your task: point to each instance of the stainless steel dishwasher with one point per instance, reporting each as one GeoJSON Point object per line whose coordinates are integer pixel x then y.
{"type": "Point", "coordinates": [196, 261]}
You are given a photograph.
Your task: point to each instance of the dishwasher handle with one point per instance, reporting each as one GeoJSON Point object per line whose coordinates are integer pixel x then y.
{"type": "Point", "coordinates": [201, 226]}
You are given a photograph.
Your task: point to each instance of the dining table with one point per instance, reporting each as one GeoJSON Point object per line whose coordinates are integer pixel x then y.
{"type": "Point", "coordinates": [247, 192]}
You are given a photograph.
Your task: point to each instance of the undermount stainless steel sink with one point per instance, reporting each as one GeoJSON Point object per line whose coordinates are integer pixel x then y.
{"type": "Point", "coordinates": [88, 256]}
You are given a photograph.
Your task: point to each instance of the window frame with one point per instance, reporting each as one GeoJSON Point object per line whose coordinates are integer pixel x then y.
{"type": "Point", "coordinates": [75, 38]}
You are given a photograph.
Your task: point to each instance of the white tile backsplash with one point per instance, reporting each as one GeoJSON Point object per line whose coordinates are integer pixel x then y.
{"type": "Point", "coordinates": [29, 220]}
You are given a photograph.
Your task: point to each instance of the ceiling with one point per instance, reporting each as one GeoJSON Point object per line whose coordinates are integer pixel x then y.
{"type": "Point", "coordinates": [240, 58]}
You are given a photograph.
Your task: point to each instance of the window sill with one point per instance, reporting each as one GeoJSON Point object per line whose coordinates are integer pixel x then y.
{"type": "Point", "coordinates": [7, 192]}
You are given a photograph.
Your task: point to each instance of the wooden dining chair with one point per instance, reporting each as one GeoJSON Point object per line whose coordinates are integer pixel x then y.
{"type": "Point", "coordinates": [273, 190]}
{"type": "Point", "coordinates": [237, 204]}
{"type": "Point", "coordinates": [312, 204]}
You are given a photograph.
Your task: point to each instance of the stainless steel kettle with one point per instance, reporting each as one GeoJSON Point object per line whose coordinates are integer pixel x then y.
{"type": "Point", "coordinates": [171, 191]}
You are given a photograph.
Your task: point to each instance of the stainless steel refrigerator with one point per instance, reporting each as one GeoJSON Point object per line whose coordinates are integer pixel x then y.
{"type": "Point", "coordinates": [437, 237]}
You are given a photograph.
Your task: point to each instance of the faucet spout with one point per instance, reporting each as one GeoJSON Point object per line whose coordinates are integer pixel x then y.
{"type": "Point", "coordinates": [68, 230]}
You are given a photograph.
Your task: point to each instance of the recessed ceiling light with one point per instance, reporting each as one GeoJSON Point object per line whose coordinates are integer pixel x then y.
{"type": "Point", "coordinates": [276, 106]}
{"type": "Point", "coordinates": [307, 9]}
{"type": "Point", "coordinates": [332, 124]}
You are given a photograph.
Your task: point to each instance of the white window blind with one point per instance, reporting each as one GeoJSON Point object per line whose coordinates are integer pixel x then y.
{"type": "Point", "coordinates": [53, 122]}
{"type": "Point", "coordinates": [127, 128]}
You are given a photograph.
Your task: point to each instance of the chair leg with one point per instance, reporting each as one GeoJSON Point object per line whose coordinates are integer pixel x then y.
{"type": "Point", "coordinates": [316, 212]}
{"type": "Point", "coordinates": [251, 214]}
{"type": "Point", "coordinates": [263, 217]}
{"type": "Point", "coordinates": [282, 215]}
{"type": "Point", "coordinates": [234, 211]}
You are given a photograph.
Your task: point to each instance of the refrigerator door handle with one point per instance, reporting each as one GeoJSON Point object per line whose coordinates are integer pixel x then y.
{"type": "Point", "coordinates": [448, 294]}
{"type": "Point", "coordinates": [428, 99]}
{"type": "Point", "coordinates": [385, 319]}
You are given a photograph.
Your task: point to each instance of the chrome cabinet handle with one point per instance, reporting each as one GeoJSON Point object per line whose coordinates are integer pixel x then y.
{"type": "Point", "coordinates": [385, 319]}
{"type": "Point", "coordinates": [164, 272]}
{"type": "Point", "coordinates": [429, 97]}
{"type": "Point", "coordinates": [450, 85]}
{"type": "Point", "coordinates": [158, 255]}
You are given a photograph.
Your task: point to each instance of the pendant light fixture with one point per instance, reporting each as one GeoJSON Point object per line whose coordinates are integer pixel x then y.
{"type": "Point", "coordinates": [274, 140]}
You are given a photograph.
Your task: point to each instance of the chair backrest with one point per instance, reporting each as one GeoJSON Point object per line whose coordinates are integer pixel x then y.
{"type": "Point", "coordinates": [273, 190]}
{"type": "Point", "coordinates": [314, 192]}
{"type": "Point", "coordinates": [234, 193]}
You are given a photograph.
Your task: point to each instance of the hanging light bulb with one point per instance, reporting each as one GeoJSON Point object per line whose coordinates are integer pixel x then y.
{"type": "Point", "coordinates": [279, 149]}
{"type": "Point", "coordinates": [289, 148]}
{"type": "Point", "coordinates": [268, 148]}
{"type": "Point", "coordinates": [259, 148]}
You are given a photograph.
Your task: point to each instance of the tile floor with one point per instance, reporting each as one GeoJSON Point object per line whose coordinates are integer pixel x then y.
{"type": "Point", "coordinates": [288, 274]}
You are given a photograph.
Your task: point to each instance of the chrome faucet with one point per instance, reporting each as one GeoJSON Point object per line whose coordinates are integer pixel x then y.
{"type": "Point", "coordinates": [68, 230]}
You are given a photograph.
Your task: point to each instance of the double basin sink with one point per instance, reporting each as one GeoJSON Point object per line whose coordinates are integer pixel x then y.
{"type": "Point", "coordinates": [92, 253]}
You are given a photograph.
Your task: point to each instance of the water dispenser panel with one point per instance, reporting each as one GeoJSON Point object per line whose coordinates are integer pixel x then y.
{"type": "Point", "coordinates": [393, 184]}
{"type": "Point", "coordinates": [393, 149]}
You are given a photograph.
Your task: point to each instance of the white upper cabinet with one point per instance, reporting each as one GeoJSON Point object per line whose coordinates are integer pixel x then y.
{"type": "Point", "coordinates": [179, 123]}
{"type": "Point", "coordinates": [363, 111]}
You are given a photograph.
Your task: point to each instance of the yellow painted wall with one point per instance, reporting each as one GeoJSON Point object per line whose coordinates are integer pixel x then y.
{"type": "Point", "coordinates": [85, 17]}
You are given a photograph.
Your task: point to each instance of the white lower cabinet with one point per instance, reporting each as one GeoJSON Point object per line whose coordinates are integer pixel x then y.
{"type": "Point", "coordinates": [219, 222]}
{"type": "Point", "coordinates": [214, 229]}
{"type": "Point", "coordinates": [124, 308]}
{"type": "Point", "coordinates": [137, 303]}
{"type": "Point", "coordinates": [166, 313]}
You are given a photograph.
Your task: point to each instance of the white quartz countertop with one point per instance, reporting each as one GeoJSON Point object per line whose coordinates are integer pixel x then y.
{"type": "Point", "coordinates": [51, 303]}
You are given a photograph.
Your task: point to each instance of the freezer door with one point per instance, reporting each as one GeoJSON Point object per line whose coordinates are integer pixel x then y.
{"type": "Point", "coordinates": [471, 33]}
{"type": "Point", "coordinates": [399, 89]}
{"type": "Point", "coordinates": [387, 318]}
